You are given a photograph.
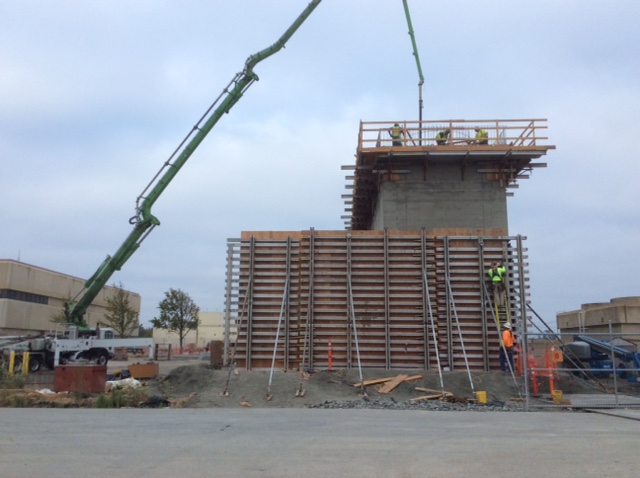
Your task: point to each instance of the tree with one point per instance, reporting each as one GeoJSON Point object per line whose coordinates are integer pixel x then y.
{"type": "Point", "coordinates": [178, 314]}
{"type": "Point", "coordinates": [145, 331]}
{"type": "Point", "coordinates": [120, 315]}
{"type": "Point", "coordinates": [60, 318]}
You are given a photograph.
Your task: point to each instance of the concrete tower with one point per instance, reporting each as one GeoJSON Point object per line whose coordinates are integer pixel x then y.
{"type": "Point", "coordinates": [456, 181]}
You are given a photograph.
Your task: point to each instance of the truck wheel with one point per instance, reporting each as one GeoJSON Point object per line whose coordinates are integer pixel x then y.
{"type": "Point", "coordinates": [35, 364]}
{"type": "Point", "coordinates": [102, 357]}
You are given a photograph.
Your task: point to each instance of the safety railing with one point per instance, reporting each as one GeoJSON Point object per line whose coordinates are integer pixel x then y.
{"type": "Point", "coordinates": [487, 133]}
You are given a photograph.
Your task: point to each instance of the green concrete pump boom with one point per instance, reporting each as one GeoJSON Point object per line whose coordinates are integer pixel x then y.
{"type": "Point", "coordinates": [415, 54]}
{"type": "Point", "coordinates": [144, 221]}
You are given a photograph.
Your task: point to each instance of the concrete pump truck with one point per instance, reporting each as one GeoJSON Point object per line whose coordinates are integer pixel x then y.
{"type": "Point", "coordinates": [52, 350]}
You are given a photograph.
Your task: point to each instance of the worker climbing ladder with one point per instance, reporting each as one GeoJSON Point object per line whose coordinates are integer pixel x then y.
{"type": "Point", "coordinates": [499, 324]}
{"type": "Point", "coordinates": [498, 286]}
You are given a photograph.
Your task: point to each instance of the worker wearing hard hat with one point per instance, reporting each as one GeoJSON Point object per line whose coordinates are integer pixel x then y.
{"type": "Point", "coordinates": [497, 273]}
{"type": "Point", "coordinates": [443, 137]}
{"type": "Point", "coordinates": [482, 137]}
{"type": "Point", "coordinates": [396, 134]}
{"type": "Point", "coordinates": [506, 347]}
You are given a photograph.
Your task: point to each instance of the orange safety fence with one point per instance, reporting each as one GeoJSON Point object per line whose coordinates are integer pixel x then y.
{"type": "Point", "coordinates": [544, 366]}
{"type": "Point", "coordinates": [166, 351]}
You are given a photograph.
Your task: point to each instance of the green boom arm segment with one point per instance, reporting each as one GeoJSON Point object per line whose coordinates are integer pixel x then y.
{"type": "Point", "coordinates": [144, 221]}
{"type": "Point", "coordinates": [415, 54]}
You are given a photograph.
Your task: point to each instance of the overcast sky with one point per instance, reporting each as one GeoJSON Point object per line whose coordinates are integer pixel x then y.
{"type": "Point", "coordinates": [95, 96]}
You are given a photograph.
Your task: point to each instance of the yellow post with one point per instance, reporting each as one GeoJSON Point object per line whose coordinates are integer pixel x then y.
{"type": "Point", "coordinates": [25, 362]}
{"type": "Point", "coordinates": [12, 362]}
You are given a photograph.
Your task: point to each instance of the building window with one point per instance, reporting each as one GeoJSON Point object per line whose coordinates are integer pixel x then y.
{"type": "Point", "coordinates": [23, 296]}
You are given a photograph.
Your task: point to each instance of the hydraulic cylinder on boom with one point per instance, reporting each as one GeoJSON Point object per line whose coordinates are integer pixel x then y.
{"type": "Point", "coordinates": [144, 221]}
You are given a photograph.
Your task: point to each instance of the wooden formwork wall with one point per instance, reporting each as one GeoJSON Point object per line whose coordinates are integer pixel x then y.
{"type": "Point", "coordinates": [378, 299]}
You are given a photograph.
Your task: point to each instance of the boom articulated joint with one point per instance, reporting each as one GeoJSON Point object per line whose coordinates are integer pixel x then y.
{"type": "Point", "coordinates": [72, 317]}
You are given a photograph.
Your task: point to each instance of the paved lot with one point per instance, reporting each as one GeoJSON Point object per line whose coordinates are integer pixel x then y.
{"type": "Point", "coordinates": [308, 443]}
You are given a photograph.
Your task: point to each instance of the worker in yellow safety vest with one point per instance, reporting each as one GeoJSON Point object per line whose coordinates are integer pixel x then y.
{"type": "Point", "coordinates": [482, 137]}
{"type": "Point", "coordinates": [496, 274]}
{"type": "Point", "coordinates": [443, 137]}
{"type": "Point", "coordinates": [396, 134]}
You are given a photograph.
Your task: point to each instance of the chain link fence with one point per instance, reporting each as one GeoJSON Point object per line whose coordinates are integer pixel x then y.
{"type": "Point", "coordinates": [579, 370]}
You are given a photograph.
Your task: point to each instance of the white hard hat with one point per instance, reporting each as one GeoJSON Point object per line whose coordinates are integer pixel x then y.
{"type": "Point", "coordinates": [507, 325]}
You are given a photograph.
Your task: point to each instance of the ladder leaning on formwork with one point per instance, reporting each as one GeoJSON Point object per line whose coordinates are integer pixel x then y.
{"type": "Point", "coordinates": [502, 345]}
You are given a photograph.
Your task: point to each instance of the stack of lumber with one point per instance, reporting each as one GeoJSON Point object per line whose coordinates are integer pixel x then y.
{"type": "Point", "coordinates": [388, 384]}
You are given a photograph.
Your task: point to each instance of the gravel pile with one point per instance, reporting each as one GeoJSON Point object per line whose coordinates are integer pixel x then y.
{"type": "Point", "coordinates": [431, 405]}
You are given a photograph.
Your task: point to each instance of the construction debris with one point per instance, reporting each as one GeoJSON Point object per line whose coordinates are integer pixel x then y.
{"type": "Point", "coordinates": [453, 399]}
{"type": "Point", "coordinates": [433, 394]}
{"type": "Point", "coordinates": [427, 397]}
{"type": "Point", "coordinates": [155, 402]}
{"type": "Point", "coordinates": [391, 382]}
{"type": "Point", "coordinates": [430, 390]}
{"type": "Point", "coordinates": [126, 383]}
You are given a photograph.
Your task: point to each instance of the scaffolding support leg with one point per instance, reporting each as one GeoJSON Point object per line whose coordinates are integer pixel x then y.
{"type": "Point", "coordinates": [355, 336]}
{"type": "Point", "coordinates": [464, 350]}
{"type": "Point", "coordinates": [433, 329]}
{"type": "Point", "coordinates": [232, 365]}
{"type": "Point", "coordinates": [285, 296]}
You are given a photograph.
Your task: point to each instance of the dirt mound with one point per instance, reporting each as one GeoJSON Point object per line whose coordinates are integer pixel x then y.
{"type": "Point", "coordinates": [188, 379]}
{"type": "Point", "coordinates": [207, 387]}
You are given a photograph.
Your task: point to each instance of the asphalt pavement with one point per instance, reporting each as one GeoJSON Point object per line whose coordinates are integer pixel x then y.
{"type": "Point", "coordinates": [249, 442]}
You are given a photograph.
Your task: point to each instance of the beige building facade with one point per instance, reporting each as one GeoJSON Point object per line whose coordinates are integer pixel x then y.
{"type": "Point", "coordinates": [30, 296]}
{"type": "Point", "coordinates": [211, 328]}
{"type": "Point", "coordinates": [623, 313]}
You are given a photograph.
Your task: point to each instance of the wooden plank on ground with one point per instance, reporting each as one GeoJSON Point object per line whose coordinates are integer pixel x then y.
{"type": "Point", "coordinates": [427, 397]}
{"type": "Point", "coordinates": [376, 381]}
{"type": "Point", "coordinates": [373, 381]}
{"type": "Point", "coordinates": [428, 390]}
{"type": "Point", "coordinates": [391, 384]}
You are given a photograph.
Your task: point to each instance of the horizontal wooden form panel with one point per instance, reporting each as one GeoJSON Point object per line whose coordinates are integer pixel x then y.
{"type": "Point", "coordinates": [383, 299]}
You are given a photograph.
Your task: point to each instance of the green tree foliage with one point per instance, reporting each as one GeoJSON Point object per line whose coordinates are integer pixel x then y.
{"type": "Point", "coordinates": [178, 314]}
{"type": "Point", "coordinates": [59, 317]}
{"type": "Point", "coordinates": [120, 315]}
{"type": "Point", "coordinates": [145, 331]}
